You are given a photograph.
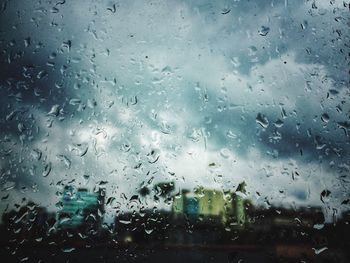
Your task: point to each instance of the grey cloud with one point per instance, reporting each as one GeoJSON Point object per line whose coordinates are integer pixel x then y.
{"type": "Point", "coordinates": [136, 71]}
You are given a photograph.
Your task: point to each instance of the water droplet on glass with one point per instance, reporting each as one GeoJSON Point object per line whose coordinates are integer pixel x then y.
{"type": "Point", "coordinates": [319, 250]}
{"type": "Point", "coordinates": [262, 120]}
{"type": "Point", "coordinates": [55, 109]}
{"type": "Point", "coordinates": [47, 170]}
{"type": "Point", "coordinates": [41, 74]}
{"type": "Point", "coordinates": [325, 117]}
{"type": "Point", "coordinates": [68, 250]}
{"type": "Point", "coordinates": [264, 30]}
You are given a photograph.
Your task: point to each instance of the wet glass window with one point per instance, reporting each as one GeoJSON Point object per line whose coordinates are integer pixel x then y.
{"type": "Point", "coordinates": [168, 131]}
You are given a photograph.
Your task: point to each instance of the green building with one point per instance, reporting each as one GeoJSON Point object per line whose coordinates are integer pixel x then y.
{"type": "Point", "coordinates": [237, 212]}
{"type": "Point", "coordinates": [210, 203]}
{"type": "Point", "coordinates": [206, 203]}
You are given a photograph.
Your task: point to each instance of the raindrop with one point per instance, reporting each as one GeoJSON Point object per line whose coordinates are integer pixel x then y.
{"type": "Point", "coordinates": [345, 126]}
{"type": "Point", "coordinates": [65, 160]}
{"type": "Point", "coordinates": [27, 42]}
{"type": "Point", "coordinates": [113, 9]}
{"type": "Point", "coordinates": [47, 170]}
{"type": "Point", "coordinates": [41, 74]}
{"type": "Point", "coordinates": [61, 2]}
{"type": "Point", "coordinates": [125, 222]}
{"type": "Point", "coordinates": [11, 115]}
{"type": "Point", "coordinates": [74, 101]}
{"type": "Point", "coordinates": [319, 250]}
{"type": "Point", "coordinates": [333, 91]}
{"type": "Point", "coordinates": [91, 103]}
{"type": "Point", "coordinates": [9, 185]}
{"type": "Point", "coordinates": [278, 123]}
{"type": "Point", "coordinates": [54, 10]}
{"type": "Point", "coordinates": [55, 109]}
{"type": "Point", "coordinates": [110, 200]}
{"type": "Point", "coordinates": [225, 153]}
{"type": "Point", "coordinates": [319, 143]}
{"type": "Point", "coordinates": [325, 117]}
{"type": "Point", "coordinates": [264, 30]}
{"type": "Point", "coordinates": [67, 44]}
{"type": "Point", "coordinates": [262, 120]}
{"type": "Point", "coordinates": [68, 250]}
{"type": "Point", "coordinates": [36, 154]}
{"type": "Point", "coordinates": [225, 11]}
{"type": "Point", "coordinates": [324, 195]}
{"type": "Point", "coordinates": [304, 25]}
{"type": "Point", "coordinates": [5, 197]}
{"type": "Point", "coordinates": [21, 127]}
{"type": "Point", "coordinates": [149, 231]}
{"type": "Point", "coordinates": [79, 149]}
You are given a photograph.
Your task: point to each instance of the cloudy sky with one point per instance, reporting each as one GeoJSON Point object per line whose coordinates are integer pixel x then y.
{"type": "Point", "coordinates": [127, 94]}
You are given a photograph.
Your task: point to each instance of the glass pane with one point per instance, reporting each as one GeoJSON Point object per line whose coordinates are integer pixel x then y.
{"type": "Point", "coordinates": [196, 131]}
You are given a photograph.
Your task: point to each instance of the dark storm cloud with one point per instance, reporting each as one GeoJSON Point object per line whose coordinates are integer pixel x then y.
{"type": "Point", "coordinates": [316, 31]}
{"type": "Point", "coordinates": [35, 70]}
{"type": "Point", "coordinates": [291, 29]}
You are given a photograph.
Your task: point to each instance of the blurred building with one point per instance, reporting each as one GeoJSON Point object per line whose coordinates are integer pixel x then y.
{"type": "Point", "coordinates": [204, 203]}
{"type": "Point", "coordinates": [81, 208]}
{"type": "Point", "coordinates": [212, 204]}
{"type": "Point", "coordinates": [240, 207]}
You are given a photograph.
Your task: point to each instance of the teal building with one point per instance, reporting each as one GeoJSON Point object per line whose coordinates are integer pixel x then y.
{"type": "Point", "coordinates": [81, 208]}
